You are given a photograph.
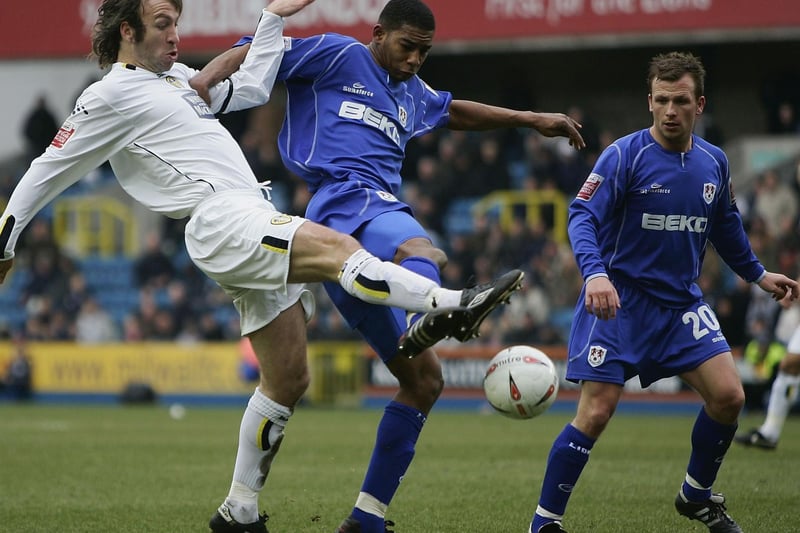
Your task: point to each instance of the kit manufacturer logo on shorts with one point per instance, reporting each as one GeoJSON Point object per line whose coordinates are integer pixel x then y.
{"type": "Point", "coordinates": [590, 187]}
{"type": "Point", "coordinates": [597, 354]}
{"type": "Point", "coordinates": [280, 220]}
{"type": "Point", "coordinates": [63, 135]}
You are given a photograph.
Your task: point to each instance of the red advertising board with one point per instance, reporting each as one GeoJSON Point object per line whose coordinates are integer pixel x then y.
{"type": "Point", "coordinates": [61, 28]}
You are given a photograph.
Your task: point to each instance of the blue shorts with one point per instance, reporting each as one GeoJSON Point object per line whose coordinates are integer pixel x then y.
{"type": "Point", "coordinates": [646, 339]}
{"type": "Point", "coordinates": [381, 223]}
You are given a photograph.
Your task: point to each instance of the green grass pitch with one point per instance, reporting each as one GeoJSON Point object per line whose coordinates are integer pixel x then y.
{"type": "Point", "coordinates": [82, 469]}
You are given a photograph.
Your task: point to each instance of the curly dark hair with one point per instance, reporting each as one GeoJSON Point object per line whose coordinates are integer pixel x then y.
{"type": "Point", "coordinates": [413, 13]}
{"type": "Point", "coordinates": [110, 16]}
{"type": "Point", "coordinates": [672, 66]}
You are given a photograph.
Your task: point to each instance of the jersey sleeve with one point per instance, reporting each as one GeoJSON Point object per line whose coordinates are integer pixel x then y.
{"type": "Point", "coordinates": [728, 236]}
{"type": "Point", "coordinates": [87, 138]}
{"type": "Point", "coordinates": [594, 205]}
{"type": "Point", "coordinates": [252, 84]}
{"type": "Point", "coordinates": [308, 58]}
{"type": "Point", "coordinates": [434, 106]}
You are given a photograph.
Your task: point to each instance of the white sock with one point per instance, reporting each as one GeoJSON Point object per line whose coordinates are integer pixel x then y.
{"type": "Point", "coordinates": [781, 397]}
{"type": "Point", "coordinates": [380, 282]}
{"type": "Point", "coordinates": [260, 436]}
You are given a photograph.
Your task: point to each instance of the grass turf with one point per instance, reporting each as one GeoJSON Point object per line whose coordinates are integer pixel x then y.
{"type": "Point", "coordinates": [134, 469]}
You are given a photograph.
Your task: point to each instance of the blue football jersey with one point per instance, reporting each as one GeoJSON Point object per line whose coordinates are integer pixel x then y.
{"type": "Point", "coordinates": [346, 119]}
{"type": "Point", "coordinates": [645, 215]}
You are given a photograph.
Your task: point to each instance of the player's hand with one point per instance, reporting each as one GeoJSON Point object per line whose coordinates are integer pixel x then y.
{"type": "Point", "coordinates": [287, 8]}
{"type": "Point", "coordinates": [601, 298]}
{"type": "Point", "coordinates": [560, 125]}
{"type": "Point", "coordinates": [780, 287]}
{"type": "Point", "coordinates": [5, 266]}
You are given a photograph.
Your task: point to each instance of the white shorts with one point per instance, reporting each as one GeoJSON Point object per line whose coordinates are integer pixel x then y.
{"type": "Point", "coordinates": [238, 239]}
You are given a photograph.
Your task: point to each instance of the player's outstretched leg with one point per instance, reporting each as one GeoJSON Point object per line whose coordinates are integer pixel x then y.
{"type": "Point", "coordinates": [462, 324]}
{"type": "Point", "coordinates": [710, 512]}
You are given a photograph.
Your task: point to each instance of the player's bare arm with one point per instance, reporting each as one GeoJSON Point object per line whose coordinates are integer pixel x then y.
{"type": "Point", "coordinates": [780, 286]}
{"type": "Point", "coordinates": [229, 61]}
{"type": "Point", "coordinates": [287, 8]}
{"type": "Point", "coordinates": [473, 116]}
{"type": "Point", "coordinates": [217, 70]}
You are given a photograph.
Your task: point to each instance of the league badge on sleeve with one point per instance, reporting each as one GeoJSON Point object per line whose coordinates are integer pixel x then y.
{"type": "Point", "coordinates": [590, 187]}
{"type": "Point", "coordinates": [63, 135]}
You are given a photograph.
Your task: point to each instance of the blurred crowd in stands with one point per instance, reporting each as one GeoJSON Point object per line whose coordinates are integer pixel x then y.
{"type": "Point", "coordinates": [445, 173]}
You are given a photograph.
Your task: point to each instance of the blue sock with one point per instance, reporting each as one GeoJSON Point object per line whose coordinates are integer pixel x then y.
{"type": "Point", "coordinates": [423, 266]}
{"type": "Point", "coordinates": [710, 442]}
{"type": "Point", "coordinates": [568, 456]}
{"type": "Point", "coordinates": [398, 432]}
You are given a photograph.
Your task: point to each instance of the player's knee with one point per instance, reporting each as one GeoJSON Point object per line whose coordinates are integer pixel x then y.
{"type": "Point", "coordinates": [421, 248]}
{"type": "Point", "coordinates": [289, 388]}
{"type": "Point", "coordinates": [791, 364]}
{"type": "Point", "coordinates": [597, 419]}
{"type": "Point", "coordinates": [726, 406]}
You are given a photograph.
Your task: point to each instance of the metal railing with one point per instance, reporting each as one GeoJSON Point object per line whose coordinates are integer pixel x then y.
{"type": "Point", "coordinates": [95, 225]}
{"type": "Point", "coordinates": [534, 207]}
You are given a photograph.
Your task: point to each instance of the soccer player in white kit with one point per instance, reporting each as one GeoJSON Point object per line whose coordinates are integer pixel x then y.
{"type": "Point", "coordinates": [782, 396]}
{"type": "Point", "coordinates": [170, 153]}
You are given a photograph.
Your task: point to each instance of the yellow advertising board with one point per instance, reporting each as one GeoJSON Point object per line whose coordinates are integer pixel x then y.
{"type": "Point", "coordinates": [205, 369]}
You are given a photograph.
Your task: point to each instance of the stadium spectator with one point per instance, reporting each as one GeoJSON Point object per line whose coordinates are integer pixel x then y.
{"type": "Point", "coordinates": [786, 121]}
{"type": "Point", "coordinates": [731, 310]}
{"type": "Point", "coordinates": [763, 353]}
{"type": "Point", "coordinates": [171, 155]}
{"type": "Point", "coordinates": [776, 204]}
{"type": "Point", "coordinates": [94, 324]}
{"type": "Point", "coordinates": [76, 293]}
{"type": "Point", "coordinates": [39, 128]}
{"type": "Point", "coordinates": [355, 186]}
{"type": "Point", "coordinates": [489, 171]}
{"type": "Point", "coordinates": [153, 269]}
{"type": "Point", "coordinates": [19, 372]}
{"type": "Point", "coordinates": [663, 327]}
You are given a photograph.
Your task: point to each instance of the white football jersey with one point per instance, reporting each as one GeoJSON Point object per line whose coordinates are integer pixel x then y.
{"type": "Point", "coordinates": [167, 149]}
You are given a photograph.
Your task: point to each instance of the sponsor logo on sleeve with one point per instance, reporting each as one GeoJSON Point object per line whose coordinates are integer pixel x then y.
{"type": "Point", "coordinates": [63, 135]}
{"type": "Point", "coordinates": [590, 187]}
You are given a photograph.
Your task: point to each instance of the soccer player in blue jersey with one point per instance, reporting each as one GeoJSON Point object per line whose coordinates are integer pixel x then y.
{"type": "Point", "coordinates": [351, 109]}
{"type": "Point", "coordinates": [639, 228]}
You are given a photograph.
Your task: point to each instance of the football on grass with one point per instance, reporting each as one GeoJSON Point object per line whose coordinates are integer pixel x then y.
{"type": "Point", "coordinates": [521, 382]}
